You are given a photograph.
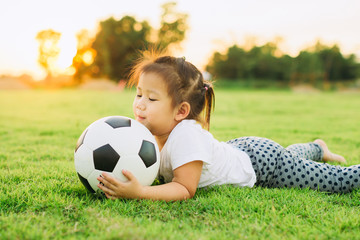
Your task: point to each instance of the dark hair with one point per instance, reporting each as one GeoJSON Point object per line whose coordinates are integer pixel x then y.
{"type": "Point", "coordinates": [185, 83]}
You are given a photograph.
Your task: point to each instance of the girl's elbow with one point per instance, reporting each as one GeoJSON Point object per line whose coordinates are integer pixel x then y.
{"type": "Point", "coordinates": [186, 196]}
{"type": "Point", "coordinates": [187, 193]}
{"type": "Point", "coordinates": [192, 193]}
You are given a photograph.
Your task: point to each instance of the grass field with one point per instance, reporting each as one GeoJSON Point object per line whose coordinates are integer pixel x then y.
{"type": "Point", "coordinates": [42, 198]}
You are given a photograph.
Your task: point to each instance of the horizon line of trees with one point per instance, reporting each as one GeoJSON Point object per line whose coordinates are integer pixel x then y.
{"type": "Point", "coordinates": [319, 64]}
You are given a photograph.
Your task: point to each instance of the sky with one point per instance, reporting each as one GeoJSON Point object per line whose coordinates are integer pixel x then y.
{"type": "Point", "coordinates": [214, 26]}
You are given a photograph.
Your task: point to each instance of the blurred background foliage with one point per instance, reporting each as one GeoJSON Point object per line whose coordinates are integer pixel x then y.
{"type": "Point", "coordinates": [110, 52]}
{"type": "Point", "coordinates": [118, 43]}
{"type": "Point", "coordinates": [319, 65]}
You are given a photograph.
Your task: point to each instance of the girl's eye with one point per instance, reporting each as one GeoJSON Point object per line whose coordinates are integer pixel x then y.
{"type": "Point", "coordinates": [152, 99]}
{"type": "Point", "coordinates": [138, 95]}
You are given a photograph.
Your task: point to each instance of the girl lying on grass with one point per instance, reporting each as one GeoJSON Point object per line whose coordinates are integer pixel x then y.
{"type": "Point", "coordinates": [172, 100]}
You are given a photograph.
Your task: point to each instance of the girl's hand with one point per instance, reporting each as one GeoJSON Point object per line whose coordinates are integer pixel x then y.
{"type": "Point", "coordinates": [114, 188]}
{"type": "Point", "coordinates": [183, 186]}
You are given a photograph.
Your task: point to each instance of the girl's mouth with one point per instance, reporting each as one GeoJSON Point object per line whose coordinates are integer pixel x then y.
{"type": "Point", "coordinates": [139, 118]}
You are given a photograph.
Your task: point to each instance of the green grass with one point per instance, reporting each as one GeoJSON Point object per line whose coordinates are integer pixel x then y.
{"type": "Point", "coordinates": [42, 198]}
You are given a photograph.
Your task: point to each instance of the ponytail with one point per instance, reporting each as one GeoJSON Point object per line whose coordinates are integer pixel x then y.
{"type": "Point", "coordinates": [209, 104]}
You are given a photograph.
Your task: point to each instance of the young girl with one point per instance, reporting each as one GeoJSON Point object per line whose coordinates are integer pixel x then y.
{"type": "Point", "coordinates": [172, 100]}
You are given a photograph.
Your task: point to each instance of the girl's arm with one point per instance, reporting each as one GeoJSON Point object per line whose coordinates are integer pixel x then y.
{"type": "Point", "coordinates": [183, 186]}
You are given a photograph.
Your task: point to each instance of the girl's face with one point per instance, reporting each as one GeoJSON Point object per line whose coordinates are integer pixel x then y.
{"type": "Point", "coordinates": [152, 105]}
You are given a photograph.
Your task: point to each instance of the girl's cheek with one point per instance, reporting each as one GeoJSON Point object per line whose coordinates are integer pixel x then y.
{"type": "Point", "coordinates": [134, 104]}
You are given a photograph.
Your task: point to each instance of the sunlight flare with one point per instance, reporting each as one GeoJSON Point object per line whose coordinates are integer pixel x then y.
{"type": "Point", "coordinates": [67, 45]}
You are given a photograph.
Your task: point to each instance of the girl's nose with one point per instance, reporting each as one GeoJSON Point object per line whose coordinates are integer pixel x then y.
{"type": "Point", "coordinates": [140, 106]}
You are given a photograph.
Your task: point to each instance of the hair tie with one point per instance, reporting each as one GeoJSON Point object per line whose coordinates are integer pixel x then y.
{"type": "Point", "coordinates": [206, 86]}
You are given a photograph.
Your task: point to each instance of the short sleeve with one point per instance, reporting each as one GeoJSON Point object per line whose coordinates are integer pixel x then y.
{"type": "Point", "coordinates": [190, 146]}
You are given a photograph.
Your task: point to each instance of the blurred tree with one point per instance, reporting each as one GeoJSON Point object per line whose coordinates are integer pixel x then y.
{"type": "Point", "coordinates": [231, 65]}
{"type": "Point", "coordinates": [85, 55]}
{"type": "Point", "coordinates": [327, 64]}
{"type": "Point", "coordinates": [259, 62]}
{"type": "Point", "coordinates": [235, 64]}
{"type": "Point", "coordinates": [308, 69]}
{"type": "Point", "coordinates": [264, 59]}
{"type": "Point", "coordinates": [173, 26]}
{"type": "Point", "coordinates": [333, 62]}
{"type": "Point", "coordinates": [48, 50]}
{"type": "Point", "coordinates": [116, 45]}
{"type": "Point", "coordinates": [319, 65]}
{"type": "Point", "coordinates": [351, 69]}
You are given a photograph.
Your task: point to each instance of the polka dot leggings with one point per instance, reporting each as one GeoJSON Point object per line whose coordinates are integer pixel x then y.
{"type": "Point", "coordinates": [296, 166]}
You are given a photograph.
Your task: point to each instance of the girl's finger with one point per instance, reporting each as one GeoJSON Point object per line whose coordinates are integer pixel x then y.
{"type": "Point", "coordinates": [110, 179]}
{"type": "Point", "coordinates": [104, 182]}
{"type": "Point", "coordinates": [109, 196]}
{"type": "Point", "coordinates": [106, 190]}
{"type": "Point", "coordinates": [128, 174]}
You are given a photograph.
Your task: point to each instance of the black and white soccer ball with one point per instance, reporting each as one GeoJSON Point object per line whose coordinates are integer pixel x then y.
{"type": "Point", "coordinates": [112, 144]}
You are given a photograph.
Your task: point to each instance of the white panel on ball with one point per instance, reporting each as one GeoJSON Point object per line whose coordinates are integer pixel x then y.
{"type": "Point", "coordinates": [98, 134]}
{"type": "Point", "coordinates": [84, 163]}
{"type": "Point", "coordinates": [124, 146]}
{"type": "Point", "coordinates": [135, 165]}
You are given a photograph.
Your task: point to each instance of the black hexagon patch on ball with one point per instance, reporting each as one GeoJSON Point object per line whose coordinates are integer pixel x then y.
{"type": "Point", "coordinates": [105, 158]}
{"type": "Point", "coordinates": [118, 122]}
{"type": "Point", "coordinates": [147, 153]}
{"type": "Point", "coordinates": [85, 183]}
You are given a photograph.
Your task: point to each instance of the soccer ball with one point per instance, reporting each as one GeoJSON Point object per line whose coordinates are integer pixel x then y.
{"type": "Point", "coordinates": [112, 144]}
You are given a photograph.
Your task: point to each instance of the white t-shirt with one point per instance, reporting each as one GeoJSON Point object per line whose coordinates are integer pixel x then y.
{"type": "Point", "coordinates": [222, 163]}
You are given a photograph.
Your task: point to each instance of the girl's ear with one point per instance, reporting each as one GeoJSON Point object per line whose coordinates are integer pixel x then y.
{"type": "Point", "coordinates": [183, 111]}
